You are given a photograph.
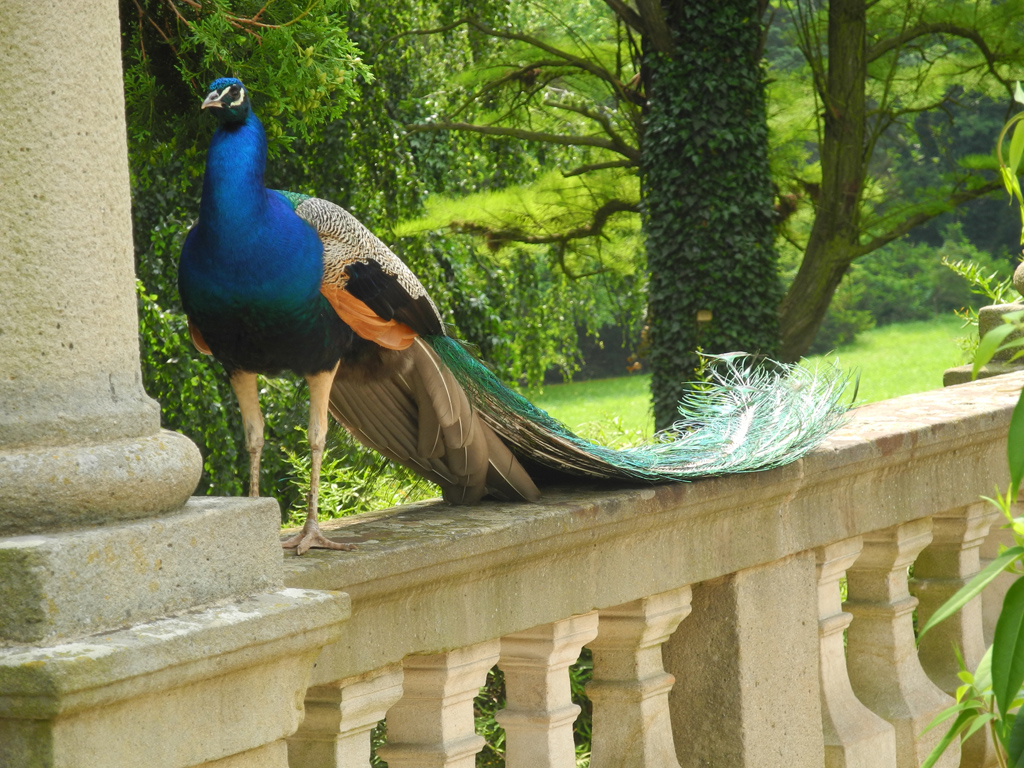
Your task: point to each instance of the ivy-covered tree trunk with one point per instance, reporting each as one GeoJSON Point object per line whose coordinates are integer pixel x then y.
{"type": "Point", "coordinates": [707, 196]}
{"type": "Point", "coordinates": [835, 236]}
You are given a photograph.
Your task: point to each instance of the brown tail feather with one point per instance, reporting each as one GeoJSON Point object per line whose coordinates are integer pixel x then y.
{"type": "Point", "coordinates": [412, 410]}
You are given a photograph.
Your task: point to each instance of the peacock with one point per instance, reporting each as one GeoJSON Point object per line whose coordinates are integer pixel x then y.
{"type": "Point", "coordinates": [276, 282]}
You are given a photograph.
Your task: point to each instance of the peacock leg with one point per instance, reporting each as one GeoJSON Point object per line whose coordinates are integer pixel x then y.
{"type": "Point", "coordinates": [319, 397]}
{"type": "Point", "coordinates": [244, 384]}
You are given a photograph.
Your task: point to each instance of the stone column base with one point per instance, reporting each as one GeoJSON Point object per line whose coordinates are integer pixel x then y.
{"type": "Point", "coordinates": [219, 686]}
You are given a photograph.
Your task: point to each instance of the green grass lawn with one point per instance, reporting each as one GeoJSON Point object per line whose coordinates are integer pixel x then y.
{"type": "Point", "coordinates": [893, 360]}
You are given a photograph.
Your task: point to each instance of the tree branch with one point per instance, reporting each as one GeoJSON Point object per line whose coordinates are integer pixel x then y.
{"type": "Point", "coordinates": [601, 120]}
{"type": "Point", "coordinates": [917, 219]}
{"type": "Point", "coordinates": [599, 167]}
{"type": "Point", "coordinates": [628, 15]}
{"type": "Point", "coordinates": [498, 237]}
{"type": "Point", "coordinates": [517, 133]}
{"type": "Point", "coordinates": [937, 28]}
{"type": "Point", "coordinates": [435, 31]}
{"type": "Point", "coordinates": [587, 66]}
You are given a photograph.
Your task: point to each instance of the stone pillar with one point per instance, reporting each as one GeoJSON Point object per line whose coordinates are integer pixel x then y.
{"type": "Point", "coordinates": [855, 737]}
{"type": "Point", "coordinates": [632, 725]}
{"type": "Point", "coordinates": [946, 565]}
{"type": "Point", "coordinates": [881, 655]}
{"type": "Point", "coordinates": [748, 657]}
{"type": "Point", "coordinates": [97, 543]}
{"type": "Point", "coordinates": [340, 718]}
{"type": "Point", "coordinates": [80, 442]}
{"type": "Point", "coordinates": [432, 725]}
{"type": "Point", "coordinates": [539, 713]}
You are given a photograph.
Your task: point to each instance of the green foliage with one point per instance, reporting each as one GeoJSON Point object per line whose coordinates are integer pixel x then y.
{"type": "Point", "coordinates": [294, 55]}
{"type": "Point", "coordinates": [905, 281]}
{"type": "Point", "coordinates": [996, 688]}
{"type": "Point", "coordinates": [708, 218]}
{"type": "Point", "coordinates": [353, 479]}
{"type": "Point", "coordinates": [846, 317]}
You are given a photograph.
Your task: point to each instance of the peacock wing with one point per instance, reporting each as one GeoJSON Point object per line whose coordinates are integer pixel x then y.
{"type": "Point", "coordinates": [411, 409]}
{"type": "Point", "coordinates": [370, 288]}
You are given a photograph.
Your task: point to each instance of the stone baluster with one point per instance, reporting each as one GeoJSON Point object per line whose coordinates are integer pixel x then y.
{"type": "Point", "coordinates": [746, 668]}
{"type": "Point", "coordinates": [946, 565]}
{"type": "Point", "coordinates": [539, 714]}
{"type": "Point", "coordinates": [632, 725]}
{"type": "Point", "coordinates": [340, 717]}
{"type": "Point", "coordinates": [855, 737]}
{"type": "Point", "coordinates": [432, 726]}
{"type": "Point", "coordinates": [881, 656]}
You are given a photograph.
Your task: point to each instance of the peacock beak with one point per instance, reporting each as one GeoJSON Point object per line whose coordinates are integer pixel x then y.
{"type": "Point", "coordinates": [213, 100]}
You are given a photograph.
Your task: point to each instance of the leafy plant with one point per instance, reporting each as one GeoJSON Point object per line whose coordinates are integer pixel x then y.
{"type": "Point", "coordinates": [353, 479]}
{"type": "Point", "coordinates": [990, 695]}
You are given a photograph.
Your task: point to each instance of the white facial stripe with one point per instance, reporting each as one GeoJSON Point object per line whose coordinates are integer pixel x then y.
{"type": "Point", "coordinates": [240, 99]}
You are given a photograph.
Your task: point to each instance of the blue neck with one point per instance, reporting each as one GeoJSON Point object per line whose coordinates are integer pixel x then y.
{"type": "Point", "coordinates": [233, 183]}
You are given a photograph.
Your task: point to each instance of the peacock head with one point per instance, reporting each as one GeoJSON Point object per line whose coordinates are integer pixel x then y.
{"type": "Point", "coordinates": [228, 100]}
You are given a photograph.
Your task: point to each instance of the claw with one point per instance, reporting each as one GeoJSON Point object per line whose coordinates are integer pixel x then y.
{"type": "Point", "coordinates": [310, 537]}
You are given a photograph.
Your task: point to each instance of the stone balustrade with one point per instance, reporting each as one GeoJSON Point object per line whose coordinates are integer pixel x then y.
{"type": "Point", "coordinates": [712, 608]}
{"type": "Point", "coordinates": [140, 630]}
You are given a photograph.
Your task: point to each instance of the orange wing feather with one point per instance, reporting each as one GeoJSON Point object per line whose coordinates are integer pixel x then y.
{"type": "Point", "coordinates": [197, 339]}
{"type": "Point", "coordinates": [389, 334]}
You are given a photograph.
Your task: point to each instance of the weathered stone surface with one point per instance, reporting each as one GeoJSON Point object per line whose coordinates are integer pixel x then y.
{"type": "Point", "coordinates": [335, 733]}
{"type": "Point", "coordinates": [496, 568]}
{"type": "Point", "coordinates": [630, 688]}
{"type": "Point", "coordinates": [751, 636]}
{"type": "Point", "coordinates": [962, 373]}
{"type": "Point", "coordinates": [885, 671]}
{"type": "Point", "coordinates": [72, 486]}
{"type": "Point", "coordinates": [71, 584]}
{"type": "Point", "coordinates": [539, 712]}
{"type": "Point", "coordinates": [992, 317]}
{"type": "Point", "coordinates": [855, 737]}
{"type": "Point", "coordinates": [172, 693]}
{"type": "Point", "coordinates": [69, 355]}
{"type": "Point", "coordinates": [432, 726]}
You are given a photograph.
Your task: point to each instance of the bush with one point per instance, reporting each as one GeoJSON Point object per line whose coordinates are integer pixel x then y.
{"type": "Point", "coordinates": [900, 282]}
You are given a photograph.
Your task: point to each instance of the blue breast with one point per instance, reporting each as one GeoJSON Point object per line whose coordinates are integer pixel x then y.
{"type": "Point", "coordinates": [251, 269]}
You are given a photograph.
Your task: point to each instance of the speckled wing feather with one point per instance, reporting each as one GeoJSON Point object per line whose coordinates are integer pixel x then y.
{"type": "Point", "coordinates": [367, 284]}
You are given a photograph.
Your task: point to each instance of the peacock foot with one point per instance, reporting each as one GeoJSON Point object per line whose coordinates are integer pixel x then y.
{"type": "Point", "coordinates": [310, 537]}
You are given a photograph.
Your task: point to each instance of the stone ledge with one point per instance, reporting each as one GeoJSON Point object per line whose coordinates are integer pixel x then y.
{"type": "Point", "coordinates": [962, 373]}
{"type": "Point", "coordinates": [70, 584]}
{"type": "Point", "coordinates": [499, 568]}
{"type": "Point", "coordinates": [99, 670]}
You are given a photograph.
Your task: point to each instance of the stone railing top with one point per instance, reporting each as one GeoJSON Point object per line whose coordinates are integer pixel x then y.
{"type": "Point", "coordinates": [583, 549]}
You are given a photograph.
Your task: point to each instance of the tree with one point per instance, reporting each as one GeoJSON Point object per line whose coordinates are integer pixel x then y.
{"type": "Point", "coordinates": [869, 75]}
{"type": "Point", "coordinates": [876, 68]}
{"type": "Point", "coordinates": [674, 93]}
